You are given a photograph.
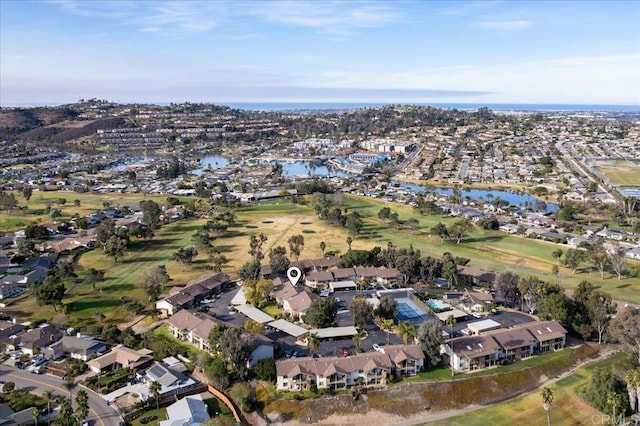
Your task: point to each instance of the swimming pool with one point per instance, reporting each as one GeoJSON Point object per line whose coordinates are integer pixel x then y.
{"type": "Point", "coordinates": [436, 304]}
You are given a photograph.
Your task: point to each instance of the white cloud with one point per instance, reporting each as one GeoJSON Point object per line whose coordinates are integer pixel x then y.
{"type": "Point", "coordinates": [506, 25]}
{"type": "Point", "coordinates": [335, 19]}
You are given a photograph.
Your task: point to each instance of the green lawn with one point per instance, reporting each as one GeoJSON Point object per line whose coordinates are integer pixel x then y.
{"type": "Point", "coordinates": [567, 408]}
{"type": "Point", "coordinates": [161, 414]}
{"type": "Point", "coordinates": [489, 250]}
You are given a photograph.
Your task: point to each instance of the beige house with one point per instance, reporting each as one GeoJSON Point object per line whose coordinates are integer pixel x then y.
{"type": "Point", "coordinates": [369, 369]}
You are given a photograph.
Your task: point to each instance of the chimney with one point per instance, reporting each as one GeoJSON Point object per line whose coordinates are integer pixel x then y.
{"type": "Point", "coordinates": [14, 320]}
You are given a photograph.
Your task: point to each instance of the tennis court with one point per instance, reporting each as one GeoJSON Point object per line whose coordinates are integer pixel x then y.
{"type": "Point", "coordinates": [408, 311]}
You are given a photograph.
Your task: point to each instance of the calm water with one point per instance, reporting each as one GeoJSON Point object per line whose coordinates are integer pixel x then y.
{"type": "Point", "coordinates": [308, 168]}
{"type": "Point", "coordinates": [522, 200]}
{"type": "Point", "coordinates": [298, 168]}
{"type": "Point", "coordinates": [306, 106]}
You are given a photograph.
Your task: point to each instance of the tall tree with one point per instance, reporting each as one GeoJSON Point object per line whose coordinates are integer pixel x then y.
{"type": "Point", "coordinates": [115, 247]}
{"type": "Point", "coordinates": [387, 308]}
{"type": "Point", "coordinates": [154, 389]}
{"type": "Point", "coordinates": [93, 276]}
{"type": "Point", "coordinates": [185, 255]}
{"type": "Point", "coordinates": [349, 242]}
{"type": "Point", "coordinates": [296, 245]}
{"type": "Point", "coordinates": [323, 247]}
{"type": "Point", "coordinates": [450, 269]}
{"type": "Point", "coordinates": [278, 260]}
{"type": "Point", "coordinates": [599, 257]}
{"type": "Point", "coordinates": [460, 229]}
{"type": "Point", "coordinates": [357, 339]}
{"type": "Point", "coordinates": [507, 287]}
{"type": "Point", "coordinates": [255, 246]}
{"type": "Point", "coordinates": [617, 259]}
{"type": "Point", "coordinates": [553, 307]}
{"type": "Point", "coordinates": [150, 213]}
{"type": "Point", "coordinates": [50, 291]}
{"type": "Point", "coordinates": [82, 405]}
{"type": "Point", "coordinates": [547, 398]}
{"type": "Point", "coordinates": [387, 325]}
{"type": "Point", "coordinates": [313, 341]}
{"type": "Point", "coordinates": [27, 191]}
{"type": "Point", "coordinates": [601, 309]}
{"type": "Point", "coordinates": [153, 280]}
{"type": "Point", "coordinates": [440, 229]}
{"type": "Point", "coordinates": [48, 397]}
{"type": "Point", "coordinates": [322, 313]}
{"type": "Point", "coordinates": [632, 379]}
{"type": "Point", "coordinates": [429, 335]}
{"type": "Point", "coordinates": [236, 348]}
{"type": "Point", "coordinates": [361, 311]}
{"type": "Point", "coordinates": [626, 329]}
{"type": "Point", "coordinates": [405, 330]}
{"type": "Point", "coordinates": [69, 384]}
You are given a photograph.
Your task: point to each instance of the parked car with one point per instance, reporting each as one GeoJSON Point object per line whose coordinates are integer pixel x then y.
{"type": "Point", "coordinates": [375, 347]}
{"type": "Point", "coordinates": [345, 352]}
{"type": "Point", "coordinates": [476, 315]}
{"type": "Point", "coordinates": [324, 293]}
{"type": "Point", "coordinates": [466, 332]}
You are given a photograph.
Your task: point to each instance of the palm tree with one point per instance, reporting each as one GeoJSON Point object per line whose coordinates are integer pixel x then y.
{"type": "Point", "coordinates": [36, 415]}
{"type": "Point", "coordinates": [357, 339]}
{"type": "Point", "coordinates": [547, 397]}
{"type": "Point", "coordinates": [405, 330]}
{"type": "Point", "coordinates": [388, 325]}
{"type": "Point", "coordinates": [313, 341]}
{"type": "Point", "coordinates": [349, 242]}
{"type": "Point", "coordinates": [633, 387]}
{"type": "Point", "coordinates": [451, 322]}
{"type": "Point", "coordinates": [69, 384]}
{"type": "Point", "coordinates": [323, 247]}
{"type": "Point", "coordinates": [48, 396]}
{"type": "Point", "coordinates": [154, 389]}
{"type": "Point", "coordinates": [82, 405]}
{"type": "Point", "coordinates": [361, 283]}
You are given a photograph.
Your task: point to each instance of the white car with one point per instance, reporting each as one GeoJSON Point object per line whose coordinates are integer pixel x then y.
{"type": "Point", "coordinates": [476, 315]}
{"type": "Point", "coordinates": [375, 347]}
{"type": "Point", "coordinates": [324, 293]}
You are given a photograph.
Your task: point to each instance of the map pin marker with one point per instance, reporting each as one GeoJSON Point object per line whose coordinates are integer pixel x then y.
{"type": "Point", "coordinates": [294, 273]}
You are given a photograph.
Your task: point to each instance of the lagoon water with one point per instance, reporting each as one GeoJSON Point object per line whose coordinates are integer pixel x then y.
{"type": "Point", "coordinates": [297, 168]}
{"type": "Point", "coordinates": [512, 198]}
{"type": "Point", "coordinates": [308, 168]}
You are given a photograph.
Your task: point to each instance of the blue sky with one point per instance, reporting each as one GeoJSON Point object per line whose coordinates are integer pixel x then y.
{"type": "Point", "coordinates": [565, 52]}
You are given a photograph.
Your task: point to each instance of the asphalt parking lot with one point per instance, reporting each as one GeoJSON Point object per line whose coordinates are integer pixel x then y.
{"type": "Point", "coordinates": [288, 344]}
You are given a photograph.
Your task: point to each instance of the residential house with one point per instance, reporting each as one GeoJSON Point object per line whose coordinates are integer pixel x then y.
{"type": "Point", "coordinates": [189, 411]}
{"type": "Point", "coordinates": [77, 348]}
{"type": "Point", "coordinates": [121, 357]}
{"type": "Point", "coordinates": [193, 292]}
{"type": "Point", "coordinates": [516, 343]}
{"type": "Point", "coordinates": [476, 301]}
{"type": "Point", "coordinates": [8, 329]}
{"type": "Point", "coordinates": [407, 359]}
{"type": "Point", "coordinates": [472, 353]}
{"type": "Point", "coordinates": [297, 305]}
{"type": "Point", "coordinates": [35, 340]}
{"type": "Point", "coordinates": [370, 368]}
{"type": "Point", "coordinates": [476, 276]}
{"type": "Point", "coordinates": [549, 335]}
{"type": "Point", "coordinates": [11, 290]}
{"type": "Point", "coordinates": [194, 327]}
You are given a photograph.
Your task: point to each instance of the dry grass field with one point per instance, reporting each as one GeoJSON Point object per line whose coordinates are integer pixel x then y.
{"type": "Point", "coordinates": [623, 174]}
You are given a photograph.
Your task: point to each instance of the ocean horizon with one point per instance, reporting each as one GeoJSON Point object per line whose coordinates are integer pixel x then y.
{"type": "Point", "coordinates": [341, 106]}
{"type": "Point", "coordinates": [305, 106]}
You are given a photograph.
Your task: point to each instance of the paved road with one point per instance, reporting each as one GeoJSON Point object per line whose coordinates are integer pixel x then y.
{"type": "Point", "coordinates": [100, 413]}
